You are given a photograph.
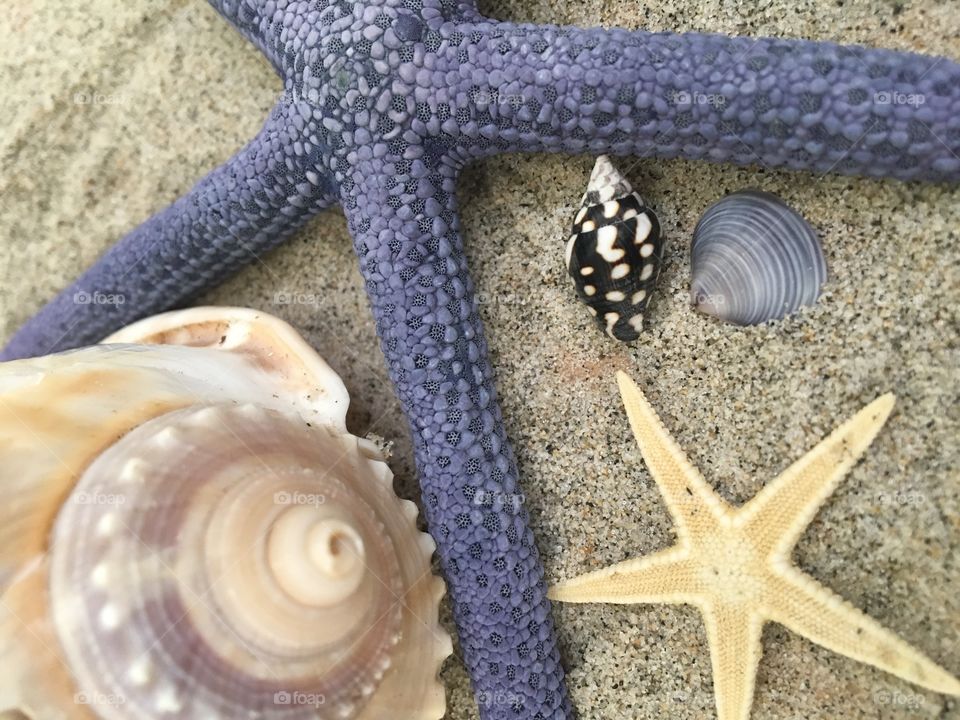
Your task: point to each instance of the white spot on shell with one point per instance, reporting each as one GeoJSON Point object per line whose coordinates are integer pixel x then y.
{"type": "Point", "coordinates": [647, 272]}
{"type": "Point", "coordinates": [134, 471]}
{"type": "Point", "coordinates": [109, 617]}
{"type": "Point", "coordinates": [615, 296]}
{"type": "Point", "coordinates": [638, 297]}
{"type": "Point", "coordinates": [168, 701]}
{"type": "Point", "coordinates": [569, 250]}
{"type": "Point", "coordinates": [140, 671]}
{"type": "Point", "coordinates": [168, 438]}
{"type": "Point", "coordinates": [647, 250]}
{"type": "Point", "coordinates": [620, 271]}
{"type": "Point", "coordinates": [611, 209]}
{"type": "Point", "coordinates": [586, 271]}
{"type": "Point", "coordinates": [344, 710]}
{"type": "Point", "coordinates": [606, 236]}
{"type": "Point", "coordinates": [589, 290]}
{"type": "Point", "coordinates": [252, 411]}
{"type": "Point", "coordinates": [588, 226]}
{"type": "Point", "coordinates": [644, 226]}
{"type": "Point", "coordinates": [636, 322]}
{"type": "Point", "coordinates": [100, 576]}
{"type": "Point", "coordinates": [611, 318]}
{"type": "Point", "coordinates": [107, 525]}
{"type": "Point", "coordinates": [205, 417]}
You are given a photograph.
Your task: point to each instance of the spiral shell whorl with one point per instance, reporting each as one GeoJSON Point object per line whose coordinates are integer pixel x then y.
{"type": "Point", "coordinates": [754, 259]}
{"type": "Point", "coordinates": [316, 559]}
{"type": "Point", "coordinates": [181, 574]}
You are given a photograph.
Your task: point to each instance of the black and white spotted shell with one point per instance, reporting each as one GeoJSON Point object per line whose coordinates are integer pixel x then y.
{"type": "Point", "coordinates": [614, 253]}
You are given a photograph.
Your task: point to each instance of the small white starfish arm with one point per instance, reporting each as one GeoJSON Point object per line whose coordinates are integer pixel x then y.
{"type": "Point", "coordinates": [734, 563]}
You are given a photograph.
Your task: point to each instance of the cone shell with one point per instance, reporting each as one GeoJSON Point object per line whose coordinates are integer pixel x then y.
{"type": "Point", "coordinates": [754, 259]}
{"type": "Point", "coordinates": [190, 532]}
{"type": "Point", "coordinates": [614, 252]}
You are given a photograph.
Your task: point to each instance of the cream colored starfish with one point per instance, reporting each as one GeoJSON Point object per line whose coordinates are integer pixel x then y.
{"type": "Point", "coordinates": [734, 563]}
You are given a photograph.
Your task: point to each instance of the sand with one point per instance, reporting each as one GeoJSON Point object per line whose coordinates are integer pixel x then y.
{"type": "Point", "coordinates": [111, 112]}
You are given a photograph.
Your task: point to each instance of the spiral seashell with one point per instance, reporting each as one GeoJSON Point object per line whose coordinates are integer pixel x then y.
{"type": "Point", "coordinates": [614, 253]}
{"type": "Point", "coordinates": [190, 532]}
{"type": "Point", "coordinates": [754, 259]}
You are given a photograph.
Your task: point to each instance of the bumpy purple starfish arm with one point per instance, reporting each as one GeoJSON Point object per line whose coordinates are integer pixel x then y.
{"type": "Point", "coordinates": [255, 21]}
{"type": "Point", "coordinates": [781, 103]}
{"type": "Point", "coordinates": [406, 235]}
{"type": "Point", "coordinates": [240, 210]}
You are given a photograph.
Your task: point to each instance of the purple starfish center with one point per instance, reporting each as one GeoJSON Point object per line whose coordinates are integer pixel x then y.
{"type": "Point", "coordinates": [383, 105]}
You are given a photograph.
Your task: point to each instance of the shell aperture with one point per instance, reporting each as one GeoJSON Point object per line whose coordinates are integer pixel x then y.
{"type": "Point", "coordinates": [614, 252]}
{"type": "Point", "coordinates": [218, 557]}
{"type": "Point", "coordinates": [754, 259]}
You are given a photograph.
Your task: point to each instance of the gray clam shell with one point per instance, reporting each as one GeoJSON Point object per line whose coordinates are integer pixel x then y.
{"type": "Point", "coordinates": [754, 259]}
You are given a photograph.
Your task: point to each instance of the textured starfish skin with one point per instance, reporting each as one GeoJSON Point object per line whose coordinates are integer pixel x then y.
{"type": "Point", "coordinates": [733, 564]}
{"type": "Point", "coordinates": [384, 103]}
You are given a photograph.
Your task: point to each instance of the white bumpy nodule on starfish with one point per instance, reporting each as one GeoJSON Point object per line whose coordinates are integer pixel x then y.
{"type": "Point", "coordinates": [734, 563]}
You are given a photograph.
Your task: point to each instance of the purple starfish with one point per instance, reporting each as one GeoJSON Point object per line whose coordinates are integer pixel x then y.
{"type": "Point", "coordinates": [385, 102]}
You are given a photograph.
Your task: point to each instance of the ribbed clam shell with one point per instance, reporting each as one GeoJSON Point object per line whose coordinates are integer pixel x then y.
{"type": "Point", "coordinates": [614, 252]}
{"type": "Point", "coordinates": [190, 532]}
{"type": "Point", "coordinates": [754, 259]}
